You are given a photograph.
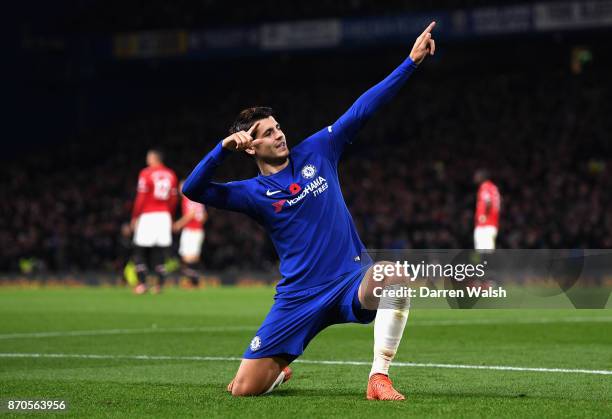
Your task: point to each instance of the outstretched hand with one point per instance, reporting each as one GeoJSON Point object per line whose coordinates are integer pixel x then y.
{"type": "Point", "coordinates": [241, 140]}
{"type": "Point", "coordinates": [424, 45]}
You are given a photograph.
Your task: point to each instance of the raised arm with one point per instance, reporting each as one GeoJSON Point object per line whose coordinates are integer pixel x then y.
{"type": "Point", "coordinates": [347, 126]}
{"type": "Point", "coordinates": [199, 186]}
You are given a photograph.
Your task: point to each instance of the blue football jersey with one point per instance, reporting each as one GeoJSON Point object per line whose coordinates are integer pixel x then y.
{"type": "Point", "coordinates": [302, 207]}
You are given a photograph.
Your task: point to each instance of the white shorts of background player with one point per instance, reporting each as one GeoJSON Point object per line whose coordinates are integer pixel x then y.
{"type": "Point", "coordinates": [191, 242]}
{"type": "Point", "coordinates": [154, 229]}
{"type": "Point", "coordinates": [484, 237]}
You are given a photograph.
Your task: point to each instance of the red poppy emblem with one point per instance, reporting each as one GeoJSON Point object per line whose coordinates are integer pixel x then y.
{"type": "Point", "coordinates": [294, 188]}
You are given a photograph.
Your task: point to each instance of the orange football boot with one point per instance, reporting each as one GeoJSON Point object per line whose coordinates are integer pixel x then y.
{"type": "Point", "coordinates": [380, 387]}
{"type": "Point", "coordinates": [288, 373]}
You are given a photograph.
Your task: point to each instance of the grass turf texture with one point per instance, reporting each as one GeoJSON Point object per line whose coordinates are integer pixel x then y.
{"type": "Point", "coordinates": [124, 387]}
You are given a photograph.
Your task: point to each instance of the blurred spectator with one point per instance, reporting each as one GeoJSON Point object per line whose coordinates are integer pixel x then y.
{"type": "Point", "coordinates": [115, 15]}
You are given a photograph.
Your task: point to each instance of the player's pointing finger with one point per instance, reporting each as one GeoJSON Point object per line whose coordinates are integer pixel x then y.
{"type": "Point", "coordinates": [429, 28]}
{"type": "Point", "coordinates": [253, 128]}
{"type": "Point", "coordinates": [426, 32]}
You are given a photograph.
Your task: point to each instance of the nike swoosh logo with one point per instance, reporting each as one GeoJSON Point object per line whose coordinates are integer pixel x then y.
{"type": "Point", "coordinates": [270, 193]}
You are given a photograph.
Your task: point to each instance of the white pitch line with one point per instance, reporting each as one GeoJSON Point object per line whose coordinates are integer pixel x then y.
{"type": "Point", "coordinates": [204, 329]}
{"type": "Point", "coordinates": [460, 366]}
{"type": "Point", "coordinates": [101, 332]}
{"type": "Point", "coordinates": [303, 361]}
{"type": "Point", "coordinates": [468, 322]}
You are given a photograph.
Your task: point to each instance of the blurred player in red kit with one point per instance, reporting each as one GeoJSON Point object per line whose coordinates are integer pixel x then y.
{"type": "Point", "coordinates": [191, 223]}
{"type": "Point", "coordinates": [486, 219]}
{"type": "Point", "coordinates": [152, 219]}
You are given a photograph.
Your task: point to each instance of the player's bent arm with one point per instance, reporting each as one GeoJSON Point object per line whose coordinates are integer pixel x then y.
{"type": "Point", "coordinates": [141, 192]}
{"type": "Point", "coordinates": [199, 186]}
{"type": "Point", "coordinates": [173, 201]}
{"type": "Point", "coordinates": [183, 221]}
{"type": "Point", "coordinates": [199, 180]}
{"type": "Point", "coordinates": [138, 203]}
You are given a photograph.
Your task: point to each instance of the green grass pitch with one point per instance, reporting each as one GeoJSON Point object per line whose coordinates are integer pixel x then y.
{"type": "Point", "coordinates": [83, 345]}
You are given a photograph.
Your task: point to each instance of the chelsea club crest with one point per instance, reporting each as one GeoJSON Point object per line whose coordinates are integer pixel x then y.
{"type": "Point", "coordinates": [309, 171]}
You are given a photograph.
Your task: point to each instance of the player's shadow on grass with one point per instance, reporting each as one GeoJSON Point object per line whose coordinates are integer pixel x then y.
{"type": "Point", "coordinates": [323, 393]}
{"type": "Point", "coordinates": [492, 394]}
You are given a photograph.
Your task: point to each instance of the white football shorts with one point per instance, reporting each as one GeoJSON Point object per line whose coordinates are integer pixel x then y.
{"type": "Point", "coordinates": [484, 237]}
{"type": "Point", "coordinates": [191, 242]}
{"type": "Point", "coordinates": [154, 229]}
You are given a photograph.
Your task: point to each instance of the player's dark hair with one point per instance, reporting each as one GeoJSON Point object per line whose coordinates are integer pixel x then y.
{"type": "Point", "coordinates": [158, 153]}
{"type": "Point", "coordinates": [247, 117]}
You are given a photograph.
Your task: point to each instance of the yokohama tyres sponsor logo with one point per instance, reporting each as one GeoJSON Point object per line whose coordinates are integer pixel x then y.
{"type": "Point", "coordinates": [316, 187]}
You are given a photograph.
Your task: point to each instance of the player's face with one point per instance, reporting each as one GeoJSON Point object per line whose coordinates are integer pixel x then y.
{"type": "Point", "coordinates": [153, 159]}
{"type": "Point", "coordinates": [274, 144]}
{"type": "Point", "coordinates": [150, 159]}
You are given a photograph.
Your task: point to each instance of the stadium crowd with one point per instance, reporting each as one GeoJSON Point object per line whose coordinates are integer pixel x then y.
{"type": "Point", "coordinates": [407, 180]}
{"type": "Point", "coordinates": [103, 16]}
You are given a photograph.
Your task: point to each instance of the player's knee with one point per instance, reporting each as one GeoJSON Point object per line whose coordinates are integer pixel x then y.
{"type": "Point", "coordinates": [244, 388]}
{"type": "Point", "coordinates": [387, 273]}
{"type": "Point", "coordinates": [191, 259]}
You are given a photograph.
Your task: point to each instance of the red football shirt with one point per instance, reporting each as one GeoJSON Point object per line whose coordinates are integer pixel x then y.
{"type": "Point", "coordinates": [487, 194]}
{"type": "Point", "coordinates": [188, 206]}
{"type": "Point", "coordinates": [157, 191]}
